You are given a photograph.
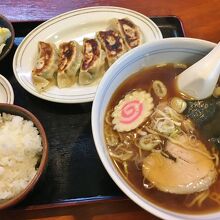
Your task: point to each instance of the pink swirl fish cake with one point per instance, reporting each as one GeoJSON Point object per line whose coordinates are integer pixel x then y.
{"type": "Point", "coordinates": [132, 111]}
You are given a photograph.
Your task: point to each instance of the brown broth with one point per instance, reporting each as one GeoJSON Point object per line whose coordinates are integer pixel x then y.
{"type": "Point", "coordinates": [142, 80]}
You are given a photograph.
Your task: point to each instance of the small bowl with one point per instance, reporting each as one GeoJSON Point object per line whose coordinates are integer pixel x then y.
{"type": "Point", "coordinates": [6, 91]}
{"type": "Point", "coordinates": [4, 22]}
{"type": "Point", "coordinates": [170, 50]}
{"type": "Point", "coordinates": [17, 110]}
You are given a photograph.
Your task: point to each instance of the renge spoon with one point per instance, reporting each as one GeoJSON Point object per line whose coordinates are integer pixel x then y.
{"type": "Point", "coordinates": [199, 80]}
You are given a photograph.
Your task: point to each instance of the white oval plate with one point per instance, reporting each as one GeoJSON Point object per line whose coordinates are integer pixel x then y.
{"type": "Point", "coordinates": [73, 25]}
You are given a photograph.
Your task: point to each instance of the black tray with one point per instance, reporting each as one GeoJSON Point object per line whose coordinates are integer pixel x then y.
{"type": "Point", "coordinates": [74, 173]}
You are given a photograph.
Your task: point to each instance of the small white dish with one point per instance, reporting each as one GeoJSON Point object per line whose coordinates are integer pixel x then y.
{"type": "Point", "coordinates": [73, 25]}
{"type": "Point", "coordinates": [6, 91]}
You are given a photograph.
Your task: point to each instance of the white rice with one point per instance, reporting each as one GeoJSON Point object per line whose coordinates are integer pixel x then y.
{"type": "Point", "coordinates": [20, 147]}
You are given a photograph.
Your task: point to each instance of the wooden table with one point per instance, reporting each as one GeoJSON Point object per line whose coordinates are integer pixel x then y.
{"type": "Point", "coordinates": [201, 19]}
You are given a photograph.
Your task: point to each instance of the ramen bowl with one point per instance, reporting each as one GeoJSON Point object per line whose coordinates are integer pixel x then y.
{"type": "Point", "coordinates": [24, 153]}
{"type": "Point", "coordinates": [172, 50]}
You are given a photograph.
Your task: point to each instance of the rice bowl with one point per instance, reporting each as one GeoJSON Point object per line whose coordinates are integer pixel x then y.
{"type": "Point", "coordinates": [24, 153]}
{"type": "Point", "coordinates": [20, 149]}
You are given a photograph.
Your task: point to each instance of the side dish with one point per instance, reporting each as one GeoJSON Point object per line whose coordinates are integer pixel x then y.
{"type": "Point", "coordinates": [4, 35]}
{"type": "Point", "coordinates": [72, 63]}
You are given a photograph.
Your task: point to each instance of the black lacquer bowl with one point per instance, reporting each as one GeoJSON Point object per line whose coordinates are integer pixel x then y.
{"type": "Point", "coordinates": [4, 22]}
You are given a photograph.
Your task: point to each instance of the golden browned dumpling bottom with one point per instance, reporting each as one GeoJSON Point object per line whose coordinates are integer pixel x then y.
{"type": "Point", "coordinates": [68, 63]}
{"type": "Point", "coordinates": [113, 45]}
{"type": "Point", "coordinates": [91, 53]}
{"type": "Point", "coordinates": [130, 33]}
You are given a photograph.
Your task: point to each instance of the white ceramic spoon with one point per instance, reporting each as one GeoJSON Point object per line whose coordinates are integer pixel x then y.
{"type": "Point", "coordinates": [199, 80]}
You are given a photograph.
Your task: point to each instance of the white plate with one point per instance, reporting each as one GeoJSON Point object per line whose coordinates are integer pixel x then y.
{"type": "Point", "coordinates": [6, 91]}
{"type": "Point", "coordinates": [73, 25]}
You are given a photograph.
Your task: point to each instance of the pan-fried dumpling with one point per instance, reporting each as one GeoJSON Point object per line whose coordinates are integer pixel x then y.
{"type": "Point", "coordinates": [68, 63]}
{"type": "Point", "coordinates": [113, 45]}
{"type": "Point", "coordinates": [46, 66]}
{"type": "Point", "coordinates": [93, 64]}
{"type": "Point", "coordinates": [129, 31]}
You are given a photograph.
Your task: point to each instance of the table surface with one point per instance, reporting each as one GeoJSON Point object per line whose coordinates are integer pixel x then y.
{"type": "Point", "coordinates": [200, 20]}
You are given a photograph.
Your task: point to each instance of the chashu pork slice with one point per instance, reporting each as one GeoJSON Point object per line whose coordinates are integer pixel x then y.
{"type": "Point", "coordinates": [186, 172]}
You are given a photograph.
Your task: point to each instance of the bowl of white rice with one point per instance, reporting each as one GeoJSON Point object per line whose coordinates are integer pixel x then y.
{"type": "Point", "coordinates": [23, 153]}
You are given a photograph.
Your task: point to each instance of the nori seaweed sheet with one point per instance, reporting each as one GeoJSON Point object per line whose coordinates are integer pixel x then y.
{"type": "Point", "coordinates": [201, 111]}
{"type": "Point", "coordinates": [206, 116]}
